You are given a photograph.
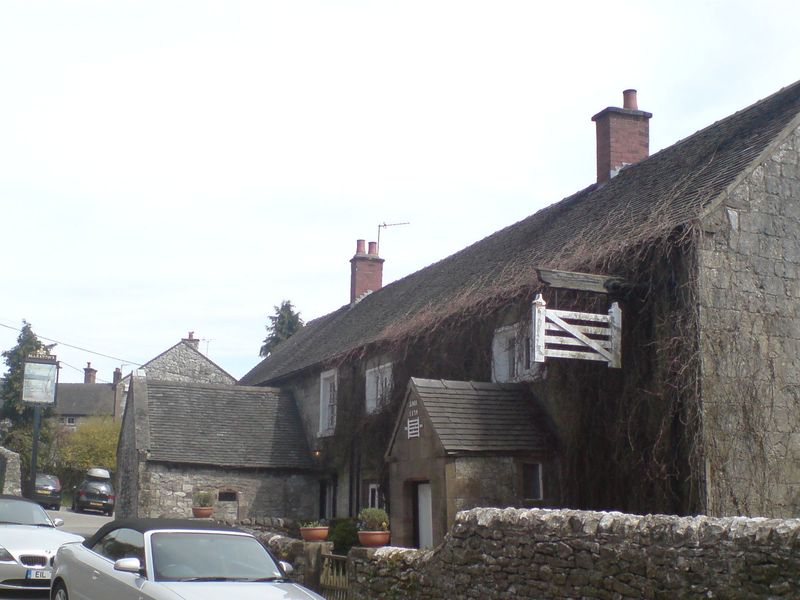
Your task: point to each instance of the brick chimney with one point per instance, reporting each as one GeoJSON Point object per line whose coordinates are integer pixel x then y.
{"type": "Point", "coordinates": [117, 376]}
{"type": "Point", "coordinates": [194, 343]}
{"type": "Point", "coordinates": [89, 374]}
{"type": "Point", "coordinates": [366, 271]}
{"type": "Point", "coordinates": [623, 136]}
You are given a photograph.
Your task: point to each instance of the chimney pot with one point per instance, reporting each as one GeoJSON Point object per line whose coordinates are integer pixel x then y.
{"type": "Point", "coordinates": [191, 335]}
{"type": "Point", "coordinates": [629, 100]}
{"type": "Point", "coordinates": [366, 271]}
{"type": "Point", "coordinates": [89, 374]}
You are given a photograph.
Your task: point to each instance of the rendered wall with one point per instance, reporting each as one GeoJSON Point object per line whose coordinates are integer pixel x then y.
{"type": "Point", "coordinates": [749, 296]}
{"type": "Point", "coordinates": [512, 553]}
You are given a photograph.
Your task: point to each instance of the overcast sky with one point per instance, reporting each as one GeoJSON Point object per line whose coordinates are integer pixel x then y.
{"type": "Point", "coordinates": [170, 166]}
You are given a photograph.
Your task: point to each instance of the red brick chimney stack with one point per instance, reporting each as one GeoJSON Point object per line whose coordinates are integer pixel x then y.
{"type": "Point", "coordinates": [366, 271]}
{"type": "Point", "coordinates": [192, 341]}
{"type": "Point", "coordinates": [623, 136]}
{"type": "Point", "coordinates": [89, 374]}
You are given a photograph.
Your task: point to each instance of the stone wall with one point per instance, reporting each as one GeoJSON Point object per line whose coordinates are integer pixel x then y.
{"type": "Point", "coordinates": [749, 297]}
{"type": "Point", "coordinates": [183, 363]}
{"type": "Point", "coordinates": [166, 489]}
{"type": "Point", "coordinates": [10, 472]}
{"type": "Point", "coordinates": [537, 553]}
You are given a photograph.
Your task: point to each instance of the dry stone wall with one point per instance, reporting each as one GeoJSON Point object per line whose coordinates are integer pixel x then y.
{"type": "Point", "coordinates": [10, 472]}
{"type": "Point", "coordinates": [514, 553]}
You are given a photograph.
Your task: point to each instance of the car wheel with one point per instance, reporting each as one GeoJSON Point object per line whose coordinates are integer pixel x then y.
{"type": "Point", "coordinates": [56, 507]}
{"type": "Point", "coordinates": [110, 512]}
{"type": "Point", "coordinates": [60, 592]}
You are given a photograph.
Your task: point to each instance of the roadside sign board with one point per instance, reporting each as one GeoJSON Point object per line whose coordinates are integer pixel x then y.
{"type": "Point", "coordinates": [39, 380]}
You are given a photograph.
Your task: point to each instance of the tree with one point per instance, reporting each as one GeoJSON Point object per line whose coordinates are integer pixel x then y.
{"type": "Point", "coordinates": [11, 391]}
{"type": "Point", "coordinates": [92, 444]}
{"type": "Point", "coordinates": [283, 325]}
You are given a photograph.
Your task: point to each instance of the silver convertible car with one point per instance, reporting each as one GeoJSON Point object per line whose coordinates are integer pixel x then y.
{"type": "Point", "coordinates": [28, 542]}
{"type": "Point", "coordinates": [168, 559]}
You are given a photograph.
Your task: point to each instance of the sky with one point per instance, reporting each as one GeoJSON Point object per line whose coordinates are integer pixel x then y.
{"type": "Point", "coordinates": [170, 166]}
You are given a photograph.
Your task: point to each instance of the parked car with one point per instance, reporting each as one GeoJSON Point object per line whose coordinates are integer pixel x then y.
{"type": "Point", "coordinates": [171, 559]}
{"type": "Point", "coordinates": [47, 491]}
{"type": "Point", "coordinates": [95, 492]}
{"type": "Point", "coordinates": [28, 542]}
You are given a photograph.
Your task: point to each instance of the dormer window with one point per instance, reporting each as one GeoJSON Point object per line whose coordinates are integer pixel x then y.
{"type": "Point", "coordinates": [378, 386]}
{"type": "Point", "coordinates": [327, 403]}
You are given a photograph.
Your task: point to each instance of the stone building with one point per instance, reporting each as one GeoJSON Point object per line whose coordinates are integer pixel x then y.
{"type": "Point", "coordinates": [76, 402]}
{"type": "Point", "coordinates": [697, 245]}
{"type": "Point", "coordinates": [459, 445]}
{"type": "Point", "coordinates": [245, 445]}
{"type": "Point", "coordinates": [185, 362]}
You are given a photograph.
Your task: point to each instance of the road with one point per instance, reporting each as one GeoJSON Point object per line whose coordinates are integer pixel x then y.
{"type": "Point", "coordinates": [84, 524]}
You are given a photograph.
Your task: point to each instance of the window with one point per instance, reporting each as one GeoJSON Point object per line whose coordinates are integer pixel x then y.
{"type": "Point", "coordinates": [532, 481]}
{"type": "Point", "coordinates": [121, 543]}
{"type": "Point", "coordinates": [504, 354]}
{"type": "Point", "coordinates": [327, 402]}
{"type": "Point", "coordinates": [70, 420]}
{"type": "Point", "coordinates": [379, 386]}
{"type": "Point", "coordinates": [227, 496]}
{"type": "Point", "coordinates": [374, 495]}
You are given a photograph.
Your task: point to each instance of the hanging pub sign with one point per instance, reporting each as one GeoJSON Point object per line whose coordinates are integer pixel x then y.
{"type": "Point", "coordinates": [39, 379]}
{"type": "Point", "coordinates": [576, 335]}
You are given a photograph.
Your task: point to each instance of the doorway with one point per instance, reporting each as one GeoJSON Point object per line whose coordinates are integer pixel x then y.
{"type": "Point", "coordinates": [423, 515]}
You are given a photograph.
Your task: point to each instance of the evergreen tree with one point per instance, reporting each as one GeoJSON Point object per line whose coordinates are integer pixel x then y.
{"type": "Point", "coordinates": [283, 325]}
{"type": "Point", "coordinates": [11, 390]}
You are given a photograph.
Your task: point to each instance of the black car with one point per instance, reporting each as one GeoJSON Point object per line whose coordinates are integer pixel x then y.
{"type": "Point", "coordinates": [95, 493]}
{"type": "Point", "coordinates": [47, 491]}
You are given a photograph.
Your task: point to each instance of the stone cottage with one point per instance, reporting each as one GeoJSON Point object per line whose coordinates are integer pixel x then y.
{"type": "Point", "coordinates": [245, 445]}
{"type": "Point", "coordinates": [696, 247]}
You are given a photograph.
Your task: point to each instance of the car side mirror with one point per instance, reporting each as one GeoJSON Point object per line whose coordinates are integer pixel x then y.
{"type": "Point", "coordinates": [128, 565]}
{"type": "Point", "coordinates": [58, 522]}
{"type": "Point", "coordinates": [287, 568]}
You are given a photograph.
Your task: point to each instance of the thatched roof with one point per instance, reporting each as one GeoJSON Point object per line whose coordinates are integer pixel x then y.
{"type": "Point", "coordinates": [643, 202]}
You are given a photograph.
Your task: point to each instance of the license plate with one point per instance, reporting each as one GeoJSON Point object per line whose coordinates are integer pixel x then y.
{"type": "Point", "coordinates": [95, 504]}
{"type": "Point", "coordinates": [37, 574]}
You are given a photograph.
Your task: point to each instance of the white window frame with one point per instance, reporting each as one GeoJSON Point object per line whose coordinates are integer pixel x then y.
{"type": "Point", "coordinates": [505, 362]}
{"type": "Point", "coordinates": [328, 383]}
{"type": "Point", "coordinates": [378, 386]}
{"type": "Point", "coordinates": [541, 486]}
{"type": "Point", "coordinates": [374, 495]}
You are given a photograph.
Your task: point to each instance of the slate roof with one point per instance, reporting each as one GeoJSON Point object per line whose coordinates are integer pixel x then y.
{"type": "Point", "coordinates": [469, 416]}
{"type": "Point", "coordinates": [643, 202]}
{"type": "Point", "coordinates": [221, 425]}
{"type": "Point", "coordinates": [84, 399]}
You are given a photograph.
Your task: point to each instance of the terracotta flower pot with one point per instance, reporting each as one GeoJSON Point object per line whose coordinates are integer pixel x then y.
{"type": "Point", "coordinates": [314, 534]}
{"type": "Point", "coordinates": [373, 539]}
{"type": "Point", "coordinates": [202, 512]}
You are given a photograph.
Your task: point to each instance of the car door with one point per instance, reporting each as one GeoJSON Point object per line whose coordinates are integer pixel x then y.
{"type": "Point", "coordinates": [105, 582]}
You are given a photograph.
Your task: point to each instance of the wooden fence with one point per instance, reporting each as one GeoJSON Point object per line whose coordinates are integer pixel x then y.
{"type": "Point", "coordinates": [333, 579]}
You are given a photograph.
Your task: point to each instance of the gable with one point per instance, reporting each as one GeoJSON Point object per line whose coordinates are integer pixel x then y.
{"type": "Point", "coordinates": [183, 362]}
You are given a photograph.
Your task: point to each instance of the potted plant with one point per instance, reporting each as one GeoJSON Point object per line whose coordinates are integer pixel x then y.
{"type": "Point", "coordinates": [373, 527]}
{"type": "Point", "coordinates": [203, 505]}
{"type": "Point", "coordinates": [314, 531]}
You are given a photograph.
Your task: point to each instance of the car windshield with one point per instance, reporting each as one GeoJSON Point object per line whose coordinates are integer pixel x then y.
{"type": "Point", "coordinates": [45, 480]}
{"type": "Point", "coordinates": [210, 556]}
{"type": "Point", "coordinates": [22, 513]}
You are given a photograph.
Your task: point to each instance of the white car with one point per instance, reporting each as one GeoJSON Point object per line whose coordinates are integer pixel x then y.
{"type": "Point", "coordinates": [169, 559]}
{"type": "Point", "coordinates": [28, 542]}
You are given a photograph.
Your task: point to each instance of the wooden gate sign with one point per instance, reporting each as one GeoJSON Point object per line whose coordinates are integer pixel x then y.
{"type": "Point", "coordinates": [576, 335]}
